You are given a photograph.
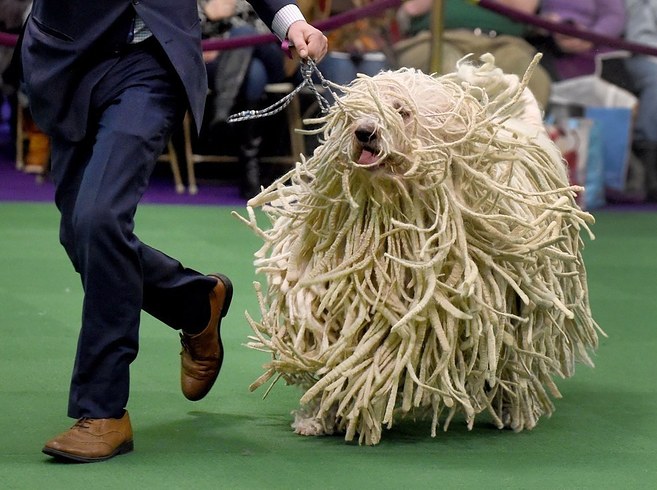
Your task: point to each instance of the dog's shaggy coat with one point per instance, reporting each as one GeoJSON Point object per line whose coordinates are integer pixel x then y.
{"type": "Point", "coordinates": [425, 260]}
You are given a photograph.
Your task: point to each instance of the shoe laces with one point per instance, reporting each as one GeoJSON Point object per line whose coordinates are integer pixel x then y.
{"type": "Point", "coordinates": [83, 423]}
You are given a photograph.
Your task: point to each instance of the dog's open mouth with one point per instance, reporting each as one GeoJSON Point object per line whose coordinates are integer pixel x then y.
{"type": "Point", "coordinates": [369, 157]}
{"type": "Point", "coordinates": [367, 150]}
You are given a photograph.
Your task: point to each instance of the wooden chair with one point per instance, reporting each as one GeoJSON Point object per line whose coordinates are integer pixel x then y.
{"type": "Point", "coordinates": [293, 117]}
{"type": "Point", "coordinates": [23, 120]}
{"type": "Point", "coordinates": [22, 142]}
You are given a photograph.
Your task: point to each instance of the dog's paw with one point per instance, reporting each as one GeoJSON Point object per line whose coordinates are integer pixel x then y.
{"type": "Point", "coordinates": [309, 422]}
{"type": "Point", "coordinates": [515, 419]}
{"type": "Point", "coordinates": [308, 426]}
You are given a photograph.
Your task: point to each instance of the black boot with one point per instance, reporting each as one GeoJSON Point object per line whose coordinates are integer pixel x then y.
{"type": "Point", "coordinates": [646, 151]}
{"type": "Point", "coordinates": [248, 159]}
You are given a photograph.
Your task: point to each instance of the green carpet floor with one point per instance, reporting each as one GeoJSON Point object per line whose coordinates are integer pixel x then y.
{"type": "Point", "coordinates": [602, 435]}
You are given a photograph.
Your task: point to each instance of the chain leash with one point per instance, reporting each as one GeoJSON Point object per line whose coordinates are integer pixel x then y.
{"type": "Point", "coordinates": [307, 68]}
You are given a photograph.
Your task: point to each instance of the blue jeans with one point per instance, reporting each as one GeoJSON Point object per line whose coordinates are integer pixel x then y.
{"type": "Point", "coordinates": [342, 68]}
{"type": "Point", "coordinates": [643, 70]}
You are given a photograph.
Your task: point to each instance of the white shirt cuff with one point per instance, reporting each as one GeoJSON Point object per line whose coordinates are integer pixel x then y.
{"type": "Point", "coordinates": [284, 18]}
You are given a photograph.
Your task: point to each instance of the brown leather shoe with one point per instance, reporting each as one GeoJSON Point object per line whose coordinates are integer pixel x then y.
{"type": "Point", "coordinates": [91, 440]}
{"type": "Point", "coordinates": [202, 354]}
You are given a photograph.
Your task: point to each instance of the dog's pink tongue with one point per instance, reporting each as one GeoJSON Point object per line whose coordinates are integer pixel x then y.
{"type": "Point", "coordinates": [367, 158]}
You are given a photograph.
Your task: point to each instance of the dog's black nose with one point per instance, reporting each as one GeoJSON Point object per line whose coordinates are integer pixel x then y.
{"type": "Point", "coordinates": [365, 134]}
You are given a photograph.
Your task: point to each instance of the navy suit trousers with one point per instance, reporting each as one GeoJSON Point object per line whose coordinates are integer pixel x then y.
{"type": "Point", "coordinates": [99, 183]}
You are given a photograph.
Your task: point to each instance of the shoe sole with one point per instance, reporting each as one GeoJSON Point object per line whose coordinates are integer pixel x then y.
{"type": "Point", "coordinates": [124, 448]}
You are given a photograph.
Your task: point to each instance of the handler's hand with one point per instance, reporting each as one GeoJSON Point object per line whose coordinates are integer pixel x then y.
{"type": "Point", "coordinates": [308, 41]}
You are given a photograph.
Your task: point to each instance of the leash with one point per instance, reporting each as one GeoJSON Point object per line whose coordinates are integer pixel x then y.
{"type": "Point", "coordinates": [307, 68]}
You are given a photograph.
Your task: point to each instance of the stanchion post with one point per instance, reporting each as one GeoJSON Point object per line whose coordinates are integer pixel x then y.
{"type": "Point", "coordinates": [435, 60]}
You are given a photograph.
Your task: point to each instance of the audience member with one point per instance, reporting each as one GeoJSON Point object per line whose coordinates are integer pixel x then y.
{"type": "Point", "coordinates": [641, 27]}
{"type": "Point", "coordinates": [469, 28]}
{"type": "Point", "coordinates": [238, 78]}
{"type": "Point", "coordinates": [359, 47]}
{"type": "Point", "coordinates": [567, 57]}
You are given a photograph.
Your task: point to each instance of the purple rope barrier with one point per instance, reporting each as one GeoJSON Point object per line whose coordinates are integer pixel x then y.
{"type": "Point", "coordinates": [376, 7]}
{"type": "Point", "coordinates": [8, 40]}
{"type": "Point", "coordinates": [224, 44]}
{"type": "Point", "coordinates": [566, 29]}
{"type": "Point", "coordinates": [237, 42]}
{"type": "Point", "coordinates": [325, 25]}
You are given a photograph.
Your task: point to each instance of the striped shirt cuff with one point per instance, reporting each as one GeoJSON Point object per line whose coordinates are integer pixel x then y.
{"type": "Point", "coordinates": [284, 18]}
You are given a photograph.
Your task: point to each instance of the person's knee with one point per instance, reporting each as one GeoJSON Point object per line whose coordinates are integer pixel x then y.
{"type": "Point", "coordinates": [92, 225]}
{"type": "Point", "coordinates": [243, 30]}
{"type": "Point", "coordinates": [338, 67]}
{"type": "Point", "coordinates": [415, 52]}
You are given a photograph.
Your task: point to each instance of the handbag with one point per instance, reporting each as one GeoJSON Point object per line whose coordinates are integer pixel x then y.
{"type": "Point", "coordinates": [580, 142]}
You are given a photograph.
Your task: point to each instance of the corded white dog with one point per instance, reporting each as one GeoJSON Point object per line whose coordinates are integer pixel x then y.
{"type": "Point", "coordinates": [425, 260]}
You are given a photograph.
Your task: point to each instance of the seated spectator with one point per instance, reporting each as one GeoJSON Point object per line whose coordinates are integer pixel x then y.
{"type": "Point", "coordinates": [641, 27]}
{"type": "Point", "coordinates": [567, 57]}
{"type": "Point", "coordinates": [359, 47]}
{"type": "Point", "coordinates": [238, 78]}
{"type": "Point", "coordinates": [467, 29]}
{"type": "Point", "coordinates": [578, 61]}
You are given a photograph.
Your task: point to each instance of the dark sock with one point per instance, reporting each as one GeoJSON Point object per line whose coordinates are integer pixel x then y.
{"type": "Point", "coordinates": [199, 320]}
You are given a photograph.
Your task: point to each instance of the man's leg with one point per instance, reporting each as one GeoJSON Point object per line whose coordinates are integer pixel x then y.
{"type": "Point", "coordinates": [135, 107]}
{"type": "Point", "coordinates": [98, 188]}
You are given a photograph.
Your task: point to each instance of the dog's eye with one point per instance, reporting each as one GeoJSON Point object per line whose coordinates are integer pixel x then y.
{"type": "Point", "coordinates": [402, 112]}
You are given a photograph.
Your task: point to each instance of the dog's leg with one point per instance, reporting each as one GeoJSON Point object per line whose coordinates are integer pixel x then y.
{"type": "Point", "coordinates": [308, 421]}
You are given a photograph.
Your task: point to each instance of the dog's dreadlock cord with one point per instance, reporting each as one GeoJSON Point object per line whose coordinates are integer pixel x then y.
{"type": "Point", "coordinates": [470, 249]}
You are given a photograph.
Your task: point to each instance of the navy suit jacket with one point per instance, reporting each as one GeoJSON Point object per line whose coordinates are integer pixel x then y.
{"type": "Point", "coordinates": [64, 40]}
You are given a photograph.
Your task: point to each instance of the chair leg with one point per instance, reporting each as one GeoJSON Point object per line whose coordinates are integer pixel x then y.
{"type": "Point", "coordinates": [20, 138]}
{"type": "Point", "coordinates": [294, 120]}
{"type": "Point", "coordinates": [297, 144]}
{"type": "Point", "coordinates": [189, 155]}
{"type": "Point", "coordinates": [175, 169]}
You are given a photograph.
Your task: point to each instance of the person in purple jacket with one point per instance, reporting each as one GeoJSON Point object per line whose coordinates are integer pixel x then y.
{"type": "Point", "coordinates": [566, 57]}
{"type": "Point", "coordinates": [107, 81]}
